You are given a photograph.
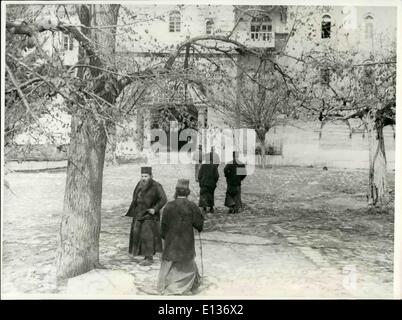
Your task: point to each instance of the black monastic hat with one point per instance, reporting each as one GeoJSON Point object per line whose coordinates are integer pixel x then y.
{"type": "Point", "coordinates": [146, 170]}
{"type": "Point", "coordinates": [183, 184]}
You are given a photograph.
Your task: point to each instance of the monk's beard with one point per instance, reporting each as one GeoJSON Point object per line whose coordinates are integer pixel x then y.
{"type": "Point", "coordinates": [145, 184]}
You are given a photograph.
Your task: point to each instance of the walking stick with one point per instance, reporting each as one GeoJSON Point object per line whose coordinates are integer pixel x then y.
{"type": "Point", "coordinates": [202, 262]}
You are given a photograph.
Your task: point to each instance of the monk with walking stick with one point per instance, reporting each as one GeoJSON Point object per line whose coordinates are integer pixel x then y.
{"type": "Point", "coordinates": [179, 273]}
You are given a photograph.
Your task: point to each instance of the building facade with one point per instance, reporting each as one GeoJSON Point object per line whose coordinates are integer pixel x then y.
{"type": "Point", "coordinates": [157, 31]}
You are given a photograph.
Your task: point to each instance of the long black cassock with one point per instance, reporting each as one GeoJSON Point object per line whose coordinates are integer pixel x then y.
{"type": "Point", "coordinates": [145, 238]}
{"type": "Point", "coordinates": [179, 273]}
{"type": "Point", "coordinates": [235, 172]}
{"type": "Point", "coordinates": [207, 177]}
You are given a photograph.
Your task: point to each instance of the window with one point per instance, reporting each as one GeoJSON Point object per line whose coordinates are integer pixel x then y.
{"type": "Point", "coordinates": [368, 26]}
{"type": "Point", "coordinates": [325, 76]}
{"type": "Point", "coordinates": [209, 26]}
{"type": "Point", "coordinates": [68, 43]}
{"type": "Point", "coordinates": [261, 28]}
{"type": "Point", "coordinates": [326, 27]}
{"type": "Point", "coordinates": [174, 21]}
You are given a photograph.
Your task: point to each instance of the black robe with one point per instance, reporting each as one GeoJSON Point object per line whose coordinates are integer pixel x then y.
{"type": "Point", "coordinates": [235, 172]}
{"type": "Point", "coordinates": [179, 273]}
{"type": "Point", "coordinates": [145, 236]}
{"type": "Point", "coordinates": [207, 178]}
{"type": "Point", "coordinates": [178, 220]}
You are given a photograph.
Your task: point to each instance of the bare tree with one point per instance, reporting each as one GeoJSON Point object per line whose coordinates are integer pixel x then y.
{"type": "Point", "coordinates": [95, 90]}
{"type": "Point", "coordinates": [92, 96]}
{"type": "Point", "coordinates": [89, 96]}
{"type": "Point", "coordinates": [340, 86]}
{"type": "Point", "coordinates": [261, 102]}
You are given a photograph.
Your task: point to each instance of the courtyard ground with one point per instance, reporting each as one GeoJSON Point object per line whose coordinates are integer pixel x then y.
{"type": "Point", "coordinates": [304, 232]}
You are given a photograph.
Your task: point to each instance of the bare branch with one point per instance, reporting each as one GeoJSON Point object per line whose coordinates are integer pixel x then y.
{"type": "Point", "coordinates": [23, 85]}
{"type": "Point", "coordinates": [224, 39]}
{"type": "Point", "coordinates": [30, 29]}
{"type": "Point", "coordinates": [17, 87]}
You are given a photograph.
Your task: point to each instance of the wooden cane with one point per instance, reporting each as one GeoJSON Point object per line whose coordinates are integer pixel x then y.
{"type": "Point", "coordinates": [202, 262]}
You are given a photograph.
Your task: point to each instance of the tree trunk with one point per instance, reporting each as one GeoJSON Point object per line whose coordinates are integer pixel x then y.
{"type": "Point", "coordinates": [139, 135]}
{"type": "Point", "coordinates": [81, 219]}
{"type": "Point", "coordinates": [110, 154]}
{"type": "Point", "coordinates": [78, 250]}
{"type": "Point", "coordinates": [377, 193]}
{"type": "Point", "coordinates": [261, 134]}
{"type": "Point", "coordinates": [239, 88]}
{"type": "Point", "coordinates": [263, 155]}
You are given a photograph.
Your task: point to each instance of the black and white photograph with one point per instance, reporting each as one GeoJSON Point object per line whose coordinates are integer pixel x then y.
{"type": "Point", "coordinates": [200, 150]}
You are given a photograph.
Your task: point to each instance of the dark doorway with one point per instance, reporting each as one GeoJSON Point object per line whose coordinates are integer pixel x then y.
{"type": "Point", "coordinates": [186, 118]}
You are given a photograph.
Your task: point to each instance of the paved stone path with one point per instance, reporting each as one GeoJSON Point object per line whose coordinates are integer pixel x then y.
{"type": "Point", "coordinates": [292, 239]}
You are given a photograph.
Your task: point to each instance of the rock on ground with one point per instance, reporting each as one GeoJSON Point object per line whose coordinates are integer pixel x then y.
{"type": "Point", "coordinates": [102, 282]}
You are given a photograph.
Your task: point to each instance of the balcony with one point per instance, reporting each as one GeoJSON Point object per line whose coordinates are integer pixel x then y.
{"type": "Point", "coordinates": [260, 39]}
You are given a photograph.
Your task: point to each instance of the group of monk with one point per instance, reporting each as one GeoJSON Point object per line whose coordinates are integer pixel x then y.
{"type": "Point", "coordinates": [207, 176]}
{"type": "Point", "coordinates": [154, 219]}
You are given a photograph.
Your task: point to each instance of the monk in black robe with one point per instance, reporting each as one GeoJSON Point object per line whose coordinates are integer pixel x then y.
{"type": "Point", "coordinates": [178, 274]}
{"type": "Point", "coordinates": [235, 172]}
{"type": "Point", "coordinates": [148, 199]}
{"type": "Point", "coordinates": [208, 177]}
